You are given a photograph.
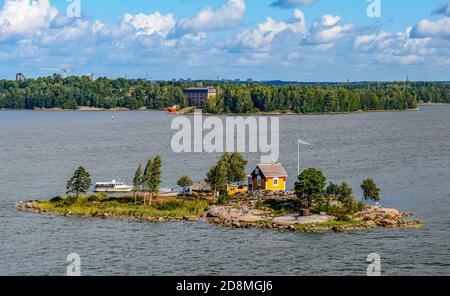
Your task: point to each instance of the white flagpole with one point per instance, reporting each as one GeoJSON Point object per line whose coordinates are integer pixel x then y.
{"type": "Point", "coordinates": [298, 155]}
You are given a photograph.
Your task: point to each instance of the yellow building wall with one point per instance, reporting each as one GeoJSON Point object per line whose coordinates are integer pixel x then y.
{"type": "Point", "coordinates": [272, 187]}
{"type": "Point", "coordinates": [233, 190]}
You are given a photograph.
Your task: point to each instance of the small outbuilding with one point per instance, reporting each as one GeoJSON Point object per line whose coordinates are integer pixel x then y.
{"type": "Point", "coordinates": [270, 177]}
{"type": "Point", "coordinates": [236, 188]}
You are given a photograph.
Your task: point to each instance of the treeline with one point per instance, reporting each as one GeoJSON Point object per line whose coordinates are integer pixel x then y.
{"type": "Point", "coordinates": [72, 92]}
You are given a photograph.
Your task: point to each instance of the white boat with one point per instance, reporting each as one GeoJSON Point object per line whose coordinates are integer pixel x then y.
{"type": "Point", "coordinates": [114, 186]}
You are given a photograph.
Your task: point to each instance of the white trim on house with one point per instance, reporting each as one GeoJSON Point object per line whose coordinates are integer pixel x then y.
{"type": "Point", "coordinates": [277, 182]}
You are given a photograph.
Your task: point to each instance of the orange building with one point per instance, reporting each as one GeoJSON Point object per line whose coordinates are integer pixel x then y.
{"type": "Point", "coordinates": [270, 177]}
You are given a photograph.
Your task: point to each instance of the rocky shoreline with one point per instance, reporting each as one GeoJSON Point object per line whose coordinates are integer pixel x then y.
{"type": "Point", "coordinates": [244, 214]}
{"type": "Point", "coordinates": [370, 218]}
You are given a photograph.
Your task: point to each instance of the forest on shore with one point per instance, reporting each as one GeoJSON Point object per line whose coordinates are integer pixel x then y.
{"type": "Point", "coordinates": [73, 92]}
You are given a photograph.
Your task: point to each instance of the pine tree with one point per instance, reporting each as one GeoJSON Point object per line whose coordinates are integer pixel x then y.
{"type": "Point", "coordinates": [80, 182]}
{"type": "Point", "coordinates": [371, 191]}
{"type": "Point", "coordinates": [155, 178]}
{"type": "Point", "coordinates": [146, 179]}
{"type": "Point", "coordinates": [345, 193]}
{"type": "Point", "coordinates": [137, 181]}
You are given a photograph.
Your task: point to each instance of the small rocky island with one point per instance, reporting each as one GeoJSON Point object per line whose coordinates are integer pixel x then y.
{"type": "Point", "coordinates": [250, 211]}
{"type": "Point", "coordinates": [312, 206]}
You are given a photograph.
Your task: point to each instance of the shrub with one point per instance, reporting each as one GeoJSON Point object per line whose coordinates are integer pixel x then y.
{"type": "Point", "coordinates": [122, 199]}
{"type": "Point", "coordinates": [223, 199]}
{"type": "Point", "coordinates": [332, 189]}
{"type": "Point", "coordinates": [345, 193]}
{"type": "Point", "coordinates": [81, 198]}
{"type": "Point", "coordinates": [344, 218]}
{"type": "Point", "coordinates": [98, 197]}
{"type": "Point", "coordinates": [338, 210]}
{"type": "Point", "coordinates": [321, 207]}
{"type": "Point", "coordinates": [169, 205]}
{"type": "Point", "coordinates": [56, 199]}
{"type": "Point", "coordinates": [69, 200]}
{"type": "Point", "coordinates": [323, 203]}
{"type": "Point", "coordinates": [352, 206]}
{"type": "Point", "coordinates": [111, 204]}
{"type": "Point", "coordinates": [139, 200]}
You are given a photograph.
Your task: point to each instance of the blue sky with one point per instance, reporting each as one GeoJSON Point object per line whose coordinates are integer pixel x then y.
{"type": "Point", "coordinates": [303, 40]}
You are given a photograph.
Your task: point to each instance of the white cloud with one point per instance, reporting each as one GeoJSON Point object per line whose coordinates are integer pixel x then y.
{"type": "Point", "coordinates": [371, 42]}
{"type": "Point", "coordinates": [398, 48]}
{"type": "Point", "coordinates": [229, 15]}
{"type": "Point", "coordinates": [98, 26]}
{"type": "Point", "coordinates": [33, 33]}
{"type": "Point", "coordinates": [24, 17]}
{"type": "Point", "coordinates": [149, 24]}
{"type": "Point", "coordinates": [409, 59]}
{"type": "Point", "coordinates": [328, 29]}
{"type": "Point", "coordinates": [75, 32]}
{"type": "Point", "coordinates": [263, 35]}
{"type": "Point", "coordinates": [426, 28]}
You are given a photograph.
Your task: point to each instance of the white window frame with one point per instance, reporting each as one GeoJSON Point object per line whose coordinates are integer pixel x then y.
{"type": "Point", "coordinates": [276, 182]}
{"type": "Point", "coordinates": [258, 180]}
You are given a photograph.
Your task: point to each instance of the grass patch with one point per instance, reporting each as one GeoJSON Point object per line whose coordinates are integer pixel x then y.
{"type": "Point", "coordinates": [324, 225]}
{"type": "Point", "coordinates": [92, 207]}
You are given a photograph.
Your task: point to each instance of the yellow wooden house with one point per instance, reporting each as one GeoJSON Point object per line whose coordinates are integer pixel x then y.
{"type": "Point", "coordinates": [270, 177]}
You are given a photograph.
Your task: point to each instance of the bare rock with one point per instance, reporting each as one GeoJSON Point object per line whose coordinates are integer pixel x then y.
{"type": "Point", "coordinates": [371, 224]}
{"type": "Point", "coordinates": [390, 212]}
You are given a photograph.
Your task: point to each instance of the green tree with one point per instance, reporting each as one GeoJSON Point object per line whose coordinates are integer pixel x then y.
{"type": "Point", "coordinates": [137, 181]}
{"type": "Point", "coordinates": [146, 179]}
{"type": "Point", "coordinates": [235, 164]}
{"type": "Point", "coordinates": [211, 105]}
{"type": "Point", "coordinates": [184, 182]}
{"type": "Point", "coordinates": [332, 189]}
{"type": "Point", "coordinates": [152, 177]}
{"type": "Point", "coordinates": [217, 178]}
{"type": "Point", "coordinates": [310, 185]}
{"type": "Point", "coordinates": [345, 193]}
{"type": "Point", "coordinates": [371, 191]}
{"type": "Point", "coordinates": [70, 92]}
{"type": "Point", "coordinates": [80, 182]}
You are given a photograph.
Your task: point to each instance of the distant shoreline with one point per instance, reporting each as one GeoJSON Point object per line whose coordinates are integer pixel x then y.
{"type": "Point", "coordinates": [273, 113]}
{"type": "Point", "coordinates": [82, 108]}
{"type": "Point", "coordinates": [433, 104]}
